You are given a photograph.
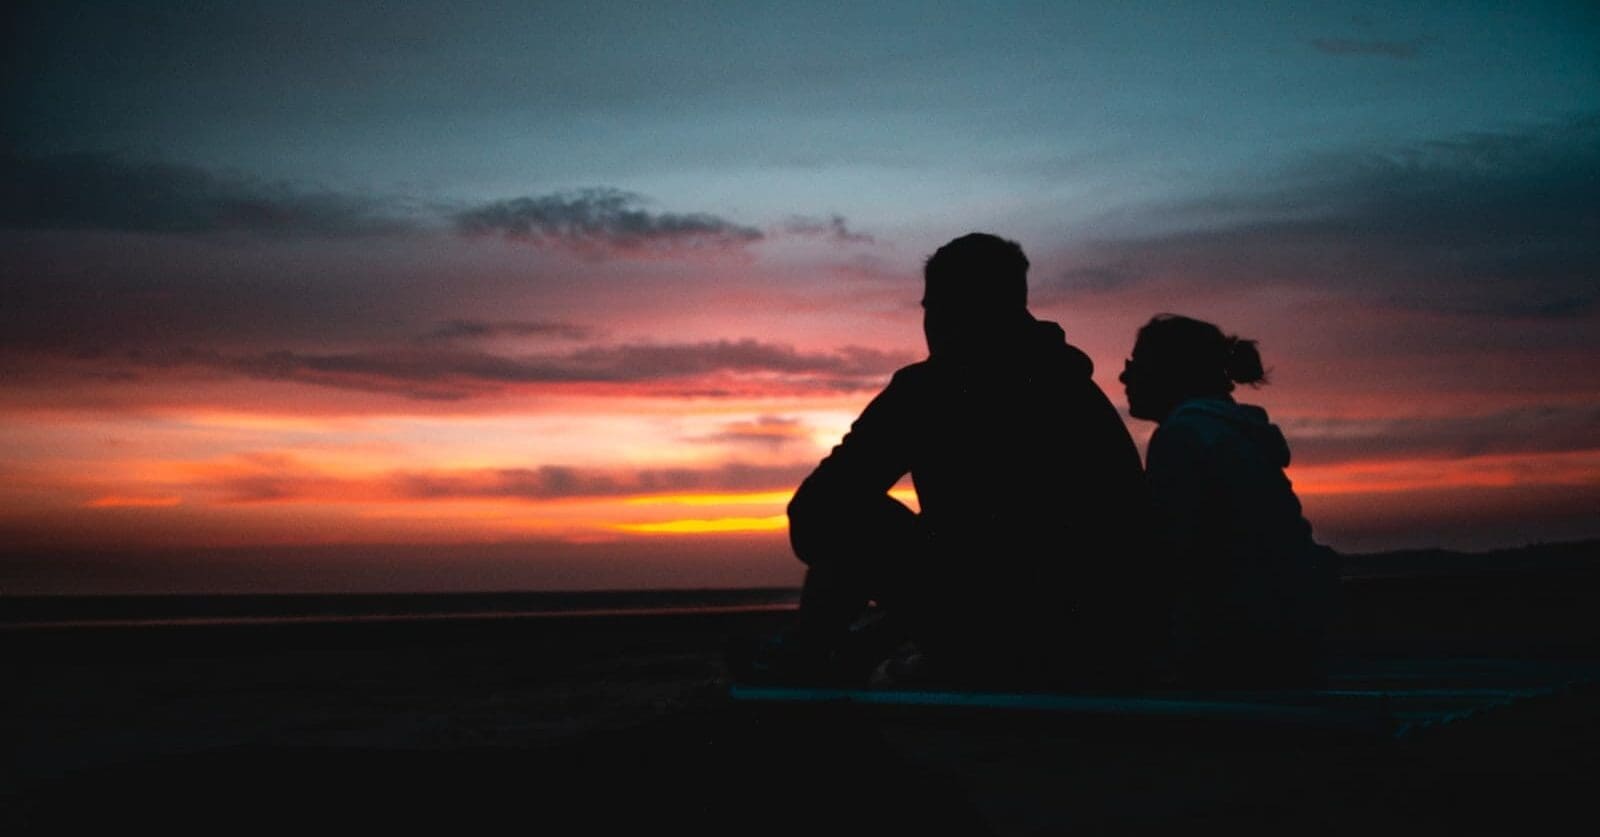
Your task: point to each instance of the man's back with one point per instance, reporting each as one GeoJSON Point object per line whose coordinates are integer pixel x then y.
{"type": "Point", "coordinates": [1024, 557]}
{"type": "Point", "coordinates": [1029, 484]}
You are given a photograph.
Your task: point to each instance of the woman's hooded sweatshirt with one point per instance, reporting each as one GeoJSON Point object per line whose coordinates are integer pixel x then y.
{"type": "Point", "coordinates": [1242, 551]}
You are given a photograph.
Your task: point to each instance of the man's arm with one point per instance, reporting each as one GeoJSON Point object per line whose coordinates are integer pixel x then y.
{"type": "Point", "coordinates": [847, 492]}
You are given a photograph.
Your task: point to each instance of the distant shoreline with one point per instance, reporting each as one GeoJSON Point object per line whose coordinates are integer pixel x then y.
{"type": "Point", "coordinates": [1575, 559]}
{"type": "Point", "coordinates": [41, 612]}
{"type": "Point", "coordinates": [1558, 556]}
{"type": "Point", "coordinates": [232, 621]}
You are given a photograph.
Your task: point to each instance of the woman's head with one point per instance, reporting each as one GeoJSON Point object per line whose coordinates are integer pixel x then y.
{"type": "Point", "coordinates": [1177, 358]}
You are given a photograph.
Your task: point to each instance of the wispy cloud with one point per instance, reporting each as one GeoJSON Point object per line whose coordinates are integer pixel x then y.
{"type": "Point", "coordinates": [602, 221]}
{"type": "Point", "coordinates": [113, 192]}
{"type": "Point", "coordinates": [764, 431]}
{"type": "Point", "coordinates": [488, 329]}
{"type": "Point", "coordinates": [834, 228]}
{"type": "Point", "coordinates": [1095, 278]}
{"type": "Point", "coordinates": [1403, 50]}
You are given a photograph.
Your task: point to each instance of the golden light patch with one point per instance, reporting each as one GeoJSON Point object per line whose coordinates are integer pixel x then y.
{"type": "Point", "coordinates": [907, 496]}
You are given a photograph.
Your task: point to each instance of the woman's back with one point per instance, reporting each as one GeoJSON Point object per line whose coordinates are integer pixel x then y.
{"type": "Point", "coordinates": [1252, 591]}
{"type": "Point", "coordinates": [1217, 467]}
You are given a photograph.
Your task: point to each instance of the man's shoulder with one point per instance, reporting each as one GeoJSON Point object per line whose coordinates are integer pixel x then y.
{"type": "Point", "coordinates": [908, 383]}
{"type": "Point", "coordinates": [914, 373]}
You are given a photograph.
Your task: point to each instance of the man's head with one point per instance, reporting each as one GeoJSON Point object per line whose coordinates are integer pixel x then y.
{"type": "Point", "coordinates": [975, 291]}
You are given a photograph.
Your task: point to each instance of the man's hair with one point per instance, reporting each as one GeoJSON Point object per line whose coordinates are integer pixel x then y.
{"type": "Point", "coordinates": [979, 270]}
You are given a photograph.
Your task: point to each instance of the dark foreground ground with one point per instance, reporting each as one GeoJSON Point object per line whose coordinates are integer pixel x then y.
{"type": "Point", "coordinates": [613, 724]}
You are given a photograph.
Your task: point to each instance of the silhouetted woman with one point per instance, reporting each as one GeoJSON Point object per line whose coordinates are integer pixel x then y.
{"type": "Point", "coordinates": [1252, 590]}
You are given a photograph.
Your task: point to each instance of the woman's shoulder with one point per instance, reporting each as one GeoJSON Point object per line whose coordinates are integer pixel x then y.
{"type": "Point", "coordinates": [1221, 422]}
{"type": "Point", "coordinates": [1197, 419]}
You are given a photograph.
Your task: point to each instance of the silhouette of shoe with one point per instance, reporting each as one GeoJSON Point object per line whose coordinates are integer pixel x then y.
{"type": "Point", "coordinates": [907, 668]}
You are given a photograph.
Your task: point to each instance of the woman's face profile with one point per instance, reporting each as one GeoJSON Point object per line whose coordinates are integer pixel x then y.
{"type": "Point", "coordinates": [1146, 396]}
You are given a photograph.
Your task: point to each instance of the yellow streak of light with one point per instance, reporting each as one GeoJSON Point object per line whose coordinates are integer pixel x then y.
{"type": "Point", "coordinates": [755, 498]}
{"type": "Point", "coordinates": [762, 498]}
{"type": "Point", "coordinates": [774, 523]}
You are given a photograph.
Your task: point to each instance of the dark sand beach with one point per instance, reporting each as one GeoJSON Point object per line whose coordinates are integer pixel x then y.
{"type": "Point", "coordinates": [1480, 686]}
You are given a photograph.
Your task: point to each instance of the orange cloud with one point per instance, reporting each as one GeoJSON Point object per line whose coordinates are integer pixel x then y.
{"type": "Point", "coordinates": [114, 501]}
{"type": "Point", "coordinates": [1503, 472]}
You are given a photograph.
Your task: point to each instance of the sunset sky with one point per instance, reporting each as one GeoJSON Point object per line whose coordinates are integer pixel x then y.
{"type": "Point", "coordinates": [470, 296]}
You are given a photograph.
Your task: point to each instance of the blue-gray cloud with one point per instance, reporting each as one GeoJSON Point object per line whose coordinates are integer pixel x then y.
{"type": "Point", "coordinates": [1094, 278]}
{"type": "Point", "coordinates": [601, 221]}
{"type": "Point", "coordinates": [112, 192]}
{"type": "Point", "coordinates": [1504, 225]}
{"type": "Point", "coordinates": [833, 228]}
{"type": "Point", "coordinates": [486, 329]}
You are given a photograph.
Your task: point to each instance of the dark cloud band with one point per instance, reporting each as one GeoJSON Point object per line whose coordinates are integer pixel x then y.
{"type": "Point", "coordinates": [488, 329]}
{"type": "Point", "coordinates": [600, 220]}
{"type": "Point", "coordinates": [1351, 46]}
{"type": "Point", "coordinates": [270, 479]}
{"type": "Point", "coordinates": [444, 372]}
{"type": "Point", "coordinates": [1499, 225]}
{"type": "Point", "coordinates": [110, 192]}
{"type": "Point", "coordinates": [1531, 430]}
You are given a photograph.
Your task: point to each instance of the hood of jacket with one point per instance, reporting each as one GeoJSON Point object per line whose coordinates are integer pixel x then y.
{"type": "Point", "coordinates": [1050, 340]}
{"type": "Point", "coordinates": [1037, 344]}
{"type": "Point", "coordinates": [1210, 416]}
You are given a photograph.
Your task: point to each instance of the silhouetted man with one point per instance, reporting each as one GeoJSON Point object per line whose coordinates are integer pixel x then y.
{"type": "Point", "coordinates": [1030, 490]}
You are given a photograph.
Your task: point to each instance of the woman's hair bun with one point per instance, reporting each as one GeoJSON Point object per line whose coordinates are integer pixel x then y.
{"type": "Point", "coordinates": [1195, 358]}
{"type": "Point", "coordinates": [1243, 362]}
